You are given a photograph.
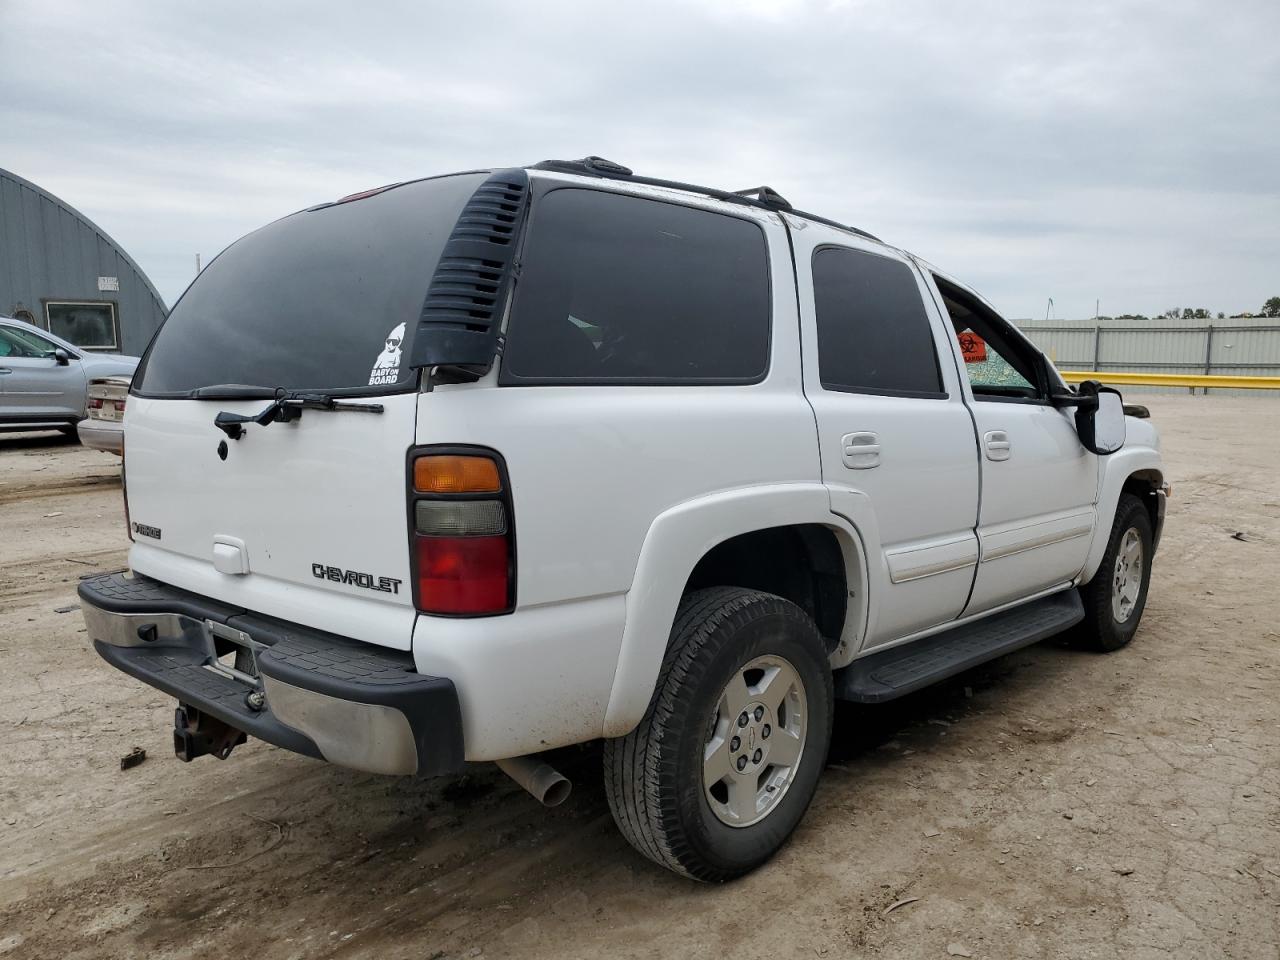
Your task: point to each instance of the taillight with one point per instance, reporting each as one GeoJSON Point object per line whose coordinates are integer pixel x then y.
{"type": "Point", "coordinates": [119, 405]}
{"type": "Point", "coordinates": [95, 403]}
{"type": "Point", "coordinates": [462, 539]}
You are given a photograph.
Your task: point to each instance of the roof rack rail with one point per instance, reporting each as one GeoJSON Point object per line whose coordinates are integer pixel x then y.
{"type": "Point", "coordinates": [765, 198]}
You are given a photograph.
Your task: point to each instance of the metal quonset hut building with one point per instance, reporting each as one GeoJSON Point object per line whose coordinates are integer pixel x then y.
{"type": "Point", "coordinates": [62, 272]}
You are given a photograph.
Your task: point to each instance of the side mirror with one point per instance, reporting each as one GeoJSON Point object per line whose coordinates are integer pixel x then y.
{"type": "Point", "coordinates": [61, 357]}
{"type": "Point", "coordinates": [1100, 418]}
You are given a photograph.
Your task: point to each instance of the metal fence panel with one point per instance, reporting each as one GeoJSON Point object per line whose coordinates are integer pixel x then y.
{"type": "Point", "coordinates": [1237, 346]}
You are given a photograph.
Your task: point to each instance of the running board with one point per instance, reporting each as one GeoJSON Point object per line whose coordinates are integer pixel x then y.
{"type": "Point", "coordinates": [904, 669]}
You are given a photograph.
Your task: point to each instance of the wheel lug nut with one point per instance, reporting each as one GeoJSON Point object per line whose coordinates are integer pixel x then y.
{"type": "Point", "coordinates": [766, 731]}
{"type": "Point", "coordinates": [742, 720]}
{"type": "Point", "coordinates": [759, 713]}
{"type": "Point", "coordinates": [734, 744]}
{"type": "Point", "coordinates": [755, 757]}
{"type": "Point", "coordinates": [742, 763]}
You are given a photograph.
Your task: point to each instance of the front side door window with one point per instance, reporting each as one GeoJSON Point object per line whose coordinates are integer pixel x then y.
{"type": "Point", "coordinates": [21, 343]}
{"type": "Point", "coordinates": [996, 364]}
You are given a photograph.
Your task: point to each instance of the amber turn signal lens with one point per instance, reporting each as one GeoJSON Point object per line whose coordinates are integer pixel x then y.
{"type": "Point", "coordinates": [452, 473]}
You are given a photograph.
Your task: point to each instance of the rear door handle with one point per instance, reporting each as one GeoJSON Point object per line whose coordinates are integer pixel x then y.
{"type": "Point", "coordinates": [5, 370]}
{"type": "Point", "coordinates": [998, 445]}
{"type": "Point", "coordinates": [861, 451]}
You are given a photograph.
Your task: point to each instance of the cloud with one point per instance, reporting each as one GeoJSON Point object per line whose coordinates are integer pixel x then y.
{"type": "Point", "coordinates": [1116, 150]}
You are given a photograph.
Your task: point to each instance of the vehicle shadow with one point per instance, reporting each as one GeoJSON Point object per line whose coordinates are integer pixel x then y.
{"type": "Point", "coordinates": [42, 440]}
{"type": "Point", "coordinates": [860, 729]}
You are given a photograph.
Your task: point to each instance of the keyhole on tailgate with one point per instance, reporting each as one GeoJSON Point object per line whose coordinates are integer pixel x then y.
{"type": "Point", "coordinates": [222, 450]}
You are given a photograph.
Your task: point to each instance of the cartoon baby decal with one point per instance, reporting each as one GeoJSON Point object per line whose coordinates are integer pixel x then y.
{"type": "Point", "coordinates": [386, 369]}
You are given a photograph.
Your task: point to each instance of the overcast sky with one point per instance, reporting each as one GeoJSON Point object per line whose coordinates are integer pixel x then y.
{"type": "Point", "coordinates": [1075, 150]}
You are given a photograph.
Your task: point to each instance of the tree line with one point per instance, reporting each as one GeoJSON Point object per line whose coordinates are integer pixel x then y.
{"type": "Point", "coordinates": [1269, 309]}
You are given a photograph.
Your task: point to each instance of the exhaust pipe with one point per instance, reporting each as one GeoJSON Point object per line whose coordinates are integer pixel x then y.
{"type": "Point", "coordinates": [548, 786]}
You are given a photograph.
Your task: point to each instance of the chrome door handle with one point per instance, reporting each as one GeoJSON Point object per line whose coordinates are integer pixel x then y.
{"type": "Point", "coordinates": [5, 370]}
{"type": "Point", "coordinates": [861, 451]}
{"type": "Point", "coordinates": [998, 445]}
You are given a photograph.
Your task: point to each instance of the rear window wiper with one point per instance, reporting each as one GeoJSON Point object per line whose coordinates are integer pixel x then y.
{"type": "Point", "coordinates": [234, 391]}
{"type": "Point", "coordinates": [286, 408]}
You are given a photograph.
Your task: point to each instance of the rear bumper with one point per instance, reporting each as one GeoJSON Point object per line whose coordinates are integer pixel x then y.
{"type": "Point", "coordinates": [99, 435]}
{"type": "Point", "coordinates": [317, 694]}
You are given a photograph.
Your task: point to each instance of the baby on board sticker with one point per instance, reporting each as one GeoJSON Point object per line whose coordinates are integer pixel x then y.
{"type": "Point", "coordinates": [386, 369]}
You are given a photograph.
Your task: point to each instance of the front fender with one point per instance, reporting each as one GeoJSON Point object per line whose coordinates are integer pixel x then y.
{"type": "Point", "coordinates": [675, 542]}
{"type": "Point", "coordinates": [1117, 468]}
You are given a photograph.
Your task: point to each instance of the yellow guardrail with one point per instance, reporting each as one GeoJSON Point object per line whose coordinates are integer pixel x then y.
{"type": "Point", "coordinates": [1172, 379]}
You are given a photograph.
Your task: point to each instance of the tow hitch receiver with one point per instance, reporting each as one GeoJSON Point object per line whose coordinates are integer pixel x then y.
{"type": "Point", "coordinates": [196, 734]}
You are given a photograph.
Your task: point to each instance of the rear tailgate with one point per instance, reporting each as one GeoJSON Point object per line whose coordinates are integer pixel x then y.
{"type": "Point", "coordinates": [315, 509]}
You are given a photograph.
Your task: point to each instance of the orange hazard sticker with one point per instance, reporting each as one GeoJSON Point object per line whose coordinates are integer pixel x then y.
{"type": "Point", "coordinates": [973, 347]}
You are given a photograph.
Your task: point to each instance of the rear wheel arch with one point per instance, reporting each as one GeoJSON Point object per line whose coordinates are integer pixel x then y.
{"type": "Point", "coordinates": [692, 546]}
{"type": "Point", "coordinates": [803, 563]}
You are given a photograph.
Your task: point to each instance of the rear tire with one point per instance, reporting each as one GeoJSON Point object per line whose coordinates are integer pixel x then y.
{"type": "Point", "coordinates": [1117, 595]}
{"type": "Point", "coordinates": [723, 765]}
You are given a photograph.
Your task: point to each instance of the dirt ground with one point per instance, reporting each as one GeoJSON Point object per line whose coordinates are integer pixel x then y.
{"type": "Point", "coordinates": [1051, 804]}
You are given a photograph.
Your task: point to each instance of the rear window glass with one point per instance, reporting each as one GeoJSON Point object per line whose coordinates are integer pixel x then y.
{"type": "Point", "coordinates": [617, 289]}
{"type": "Point", "coordinates": [323, 300]}
{"type": "Point", "coordinates": [873, 332]}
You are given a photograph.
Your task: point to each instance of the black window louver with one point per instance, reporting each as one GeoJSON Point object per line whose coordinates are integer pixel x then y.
{"type": "Point", "coordinates": [459, 324]}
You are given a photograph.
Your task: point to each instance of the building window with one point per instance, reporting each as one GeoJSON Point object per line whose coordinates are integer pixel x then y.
{"type": "Point", "coordinates": [88, 324]}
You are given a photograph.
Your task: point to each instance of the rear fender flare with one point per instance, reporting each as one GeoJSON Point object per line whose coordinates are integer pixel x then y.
{"type": "Point", "coordinates": [677, 539]}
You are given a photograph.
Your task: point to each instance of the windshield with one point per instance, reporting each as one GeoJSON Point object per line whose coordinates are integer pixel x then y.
{"type": "Point", "coordinates": [323, 300]}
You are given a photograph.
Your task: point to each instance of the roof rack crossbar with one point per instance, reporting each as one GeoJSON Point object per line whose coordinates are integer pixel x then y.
{"type": "Point", "coordinates": [768, 196]}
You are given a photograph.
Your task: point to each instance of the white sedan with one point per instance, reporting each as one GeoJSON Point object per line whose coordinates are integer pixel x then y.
{"type": "Point", "coordinates": [103, 429]}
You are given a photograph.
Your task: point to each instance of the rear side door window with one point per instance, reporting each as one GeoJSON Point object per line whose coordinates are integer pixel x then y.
{"type": "Point", "coordinates": [874, 335]}
{"type": "Point", "coordinates": [617, 289]}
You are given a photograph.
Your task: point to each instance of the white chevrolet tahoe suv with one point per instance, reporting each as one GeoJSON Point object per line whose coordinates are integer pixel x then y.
{"type": "Point", "coordinates": [473, 467]}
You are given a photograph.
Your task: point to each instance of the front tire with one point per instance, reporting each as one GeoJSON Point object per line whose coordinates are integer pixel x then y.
{"type": "Point", "coordinates": [1117, 595]}
{"type": "Point", "coordinates": [723, 765]}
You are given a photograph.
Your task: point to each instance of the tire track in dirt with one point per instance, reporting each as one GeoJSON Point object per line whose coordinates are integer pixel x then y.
{"type": "Point", "coordinates": [442, 855]}
{"type": "Point", "coordinates": [59, 488]}
{"type": "Point", "coordinates": [31, 578]}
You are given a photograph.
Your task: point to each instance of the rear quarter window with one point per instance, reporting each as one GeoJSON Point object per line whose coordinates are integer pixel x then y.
{"type": "Point", "coordinates": [618, 289]}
